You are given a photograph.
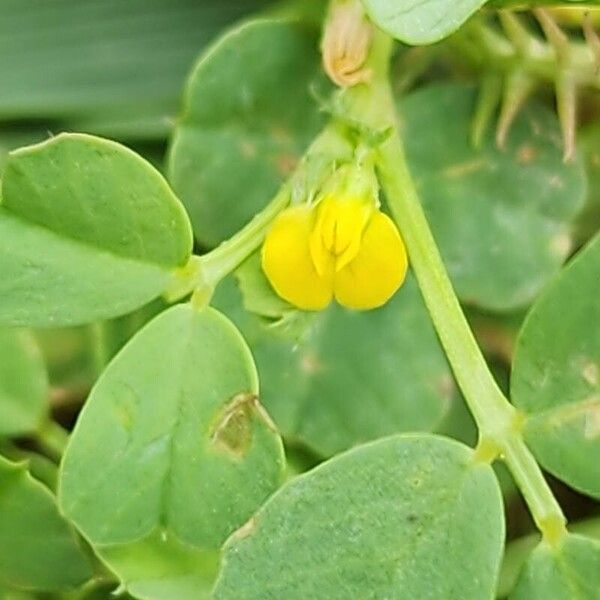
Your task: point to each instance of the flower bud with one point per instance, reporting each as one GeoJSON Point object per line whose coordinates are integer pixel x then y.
{"type": "Point", "coordinates": [346, 43]}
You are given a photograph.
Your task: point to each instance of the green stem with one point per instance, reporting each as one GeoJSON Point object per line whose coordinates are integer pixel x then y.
{"type": "Point", "coordinates": [493, 415]}
{"type": "Point", "coordinates": [100, 346]}
{"type": "Point", "coordinates": [226, 257]}
{"type": "Point", "coordinates": [53, 439]}
{"type": "Point", "coordinates": [497, 420]}
{"type": "Point", "coordinates": [203, 273]}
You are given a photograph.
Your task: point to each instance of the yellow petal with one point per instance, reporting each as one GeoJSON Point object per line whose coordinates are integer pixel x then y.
{"type": "Point", "coordinates": [338, 230]}
{"type": "Point", "coordinates": [378, 269]}
{"type": "Point", "coordinates": [287, 262]}
{"type": "Point", "coordinates": [320, 254]}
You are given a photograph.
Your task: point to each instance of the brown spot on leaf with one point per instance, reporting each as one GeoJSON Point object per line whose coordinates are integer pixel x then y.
{"type": "Point", "coordinates": [281, 134]}
{"type": "Point", "coordinates": [232, 433]}
{"type": "Point", "coordinates": [415, 481]}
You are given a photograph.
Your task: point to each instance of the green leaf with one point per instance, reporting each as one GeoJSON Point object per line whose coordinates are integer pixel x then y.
{"type": "Point", "coordinates": [420, 22]}
{"type": "Point", "coordinates": [588, 222]}
{"type": "Point", "coordinates": [556, 373]}
{"type": "Point", "coordinates": [160, 567]}
{"type": "Point", "coordinates": [171, 453]}
{"type": "Point", "coordinates": [105, 66]}
{"type": "Point", "coordinates": [518, 551]}
{"type": "Point", "coordinates": [569, 571]}
{"type": "Point", "coordinates": [337, 378]}
{"type": "Point", "coordinates": [23, 383]}
{"type": "Point", "coordinates": [248, 116]}
{"type": "Point", "coordinates": [38, 550]}
{"type": "Point", "coordinates": [88, 230]}
{"type": "Point", "coordinates": [405, 517]}
{"type": "Point", "coordinates": [15, 137]}
{"type": "Point", "coordinates": [502, 218]}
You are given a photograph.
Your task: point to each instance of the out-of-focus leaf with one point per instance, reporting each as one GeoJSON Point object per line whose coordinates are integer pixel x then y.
{"type": "Point", "coordinates": [588, 222]}
{"type": "Point", "coordinates": [248, 115]}
{"type": "Point", "coordinates": [502, 218]}
{"type": "Point", "coordinates": [23, 383]}
{"type": "Point", "coordinates": [38, 550]}
{"type": "Point", "coordinates": [105, 66]}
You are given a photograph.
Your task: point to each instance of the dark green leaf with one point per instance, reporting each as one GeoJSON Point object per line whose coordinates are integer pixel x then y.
{"type": "Point", "coordinates": [339, 378]}
{"type": "Point", "coordinates": [248, 116]}
{"type": "Point", "coordinates": [105, 66]}
{"type": "Point", "coordinates": [588, 222]}
{"type": "Point", "coordinates": [502, 218]}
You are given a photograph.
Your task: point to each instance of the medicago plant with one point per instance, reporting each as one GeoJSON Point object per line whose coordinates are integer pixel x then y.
{"type": "Point", "coordinates": [362, 240]}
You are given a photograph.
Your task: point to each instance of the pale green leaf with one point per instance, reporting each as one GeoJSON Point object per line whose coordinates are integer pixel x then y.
{"type": "Point", "coordinates": [556, 373]}
{"type": "Point", "coordinates": [88, 230]}
{"type": "Point", "coordinates": [401, 518]}
{"type": "Point", "coordinates": [420, 22]}
{"type": "Point", "coordinates": [570, 571]}
{"type": "Point", "coordinates": [171, 453]}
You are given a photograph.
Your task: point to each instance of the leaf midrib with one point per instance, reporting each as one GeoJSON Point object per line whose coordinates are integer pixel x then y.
{"type": "Point", "coordinates": [6, 213]}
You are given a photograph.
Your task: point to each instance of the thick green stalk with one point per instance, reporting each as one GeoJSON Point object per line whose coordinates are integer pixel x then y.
{"type": "Point", "coordinates": [53, 439]}
{"type": "Point", "coordinates": [497, 420]}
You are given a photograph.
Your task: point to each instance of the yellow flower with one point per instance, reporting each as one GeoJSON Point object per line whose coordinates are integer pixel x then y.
{"type": "Point", "coordinates": [342, 248]}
